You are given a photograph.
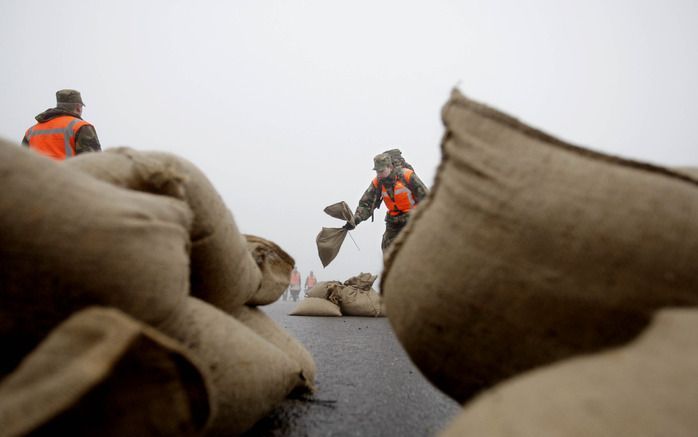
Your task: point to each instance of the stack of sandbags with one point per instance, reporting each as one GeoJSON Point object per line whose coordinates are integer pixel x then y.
{"type": "Point", "coordinates": [103, 373]}
{"type": "Point", "coordinates": [354, 297]}
{"type": "Point", "coordinates": [647, 388]}
{"type": "Point", "coordinates": [317, 303]}
{"type": "Point", "coordinates": [530, 250]}
{"type": "Point", "coordinates": [72, 240]}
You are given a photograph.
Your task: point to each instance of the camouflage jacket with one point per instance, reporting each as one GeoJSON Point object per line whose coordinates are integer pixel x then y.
{"type": "Point", "coordinates": [86, 139]}
{"type": "Point", "coordinates": [372, 197]}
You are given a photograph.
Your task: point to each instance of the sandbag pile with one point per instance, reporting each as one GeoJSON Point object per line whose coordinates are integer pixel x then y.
{"type": "Point", "coordinates": [530, 250]}
{"type": "Point", "coordinates": [647, 388]}
{"type": "Point", "coordinates": [354, 297]}
{"type": "Point", "coordinates": [147, 234]}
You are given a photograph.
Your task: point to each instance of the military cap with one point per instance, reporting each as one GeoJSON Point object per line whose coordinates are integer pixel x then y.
{"type": "Point", "coordinates": [68, 96]}
{"type": "Point", "coordinates": [381, 161]}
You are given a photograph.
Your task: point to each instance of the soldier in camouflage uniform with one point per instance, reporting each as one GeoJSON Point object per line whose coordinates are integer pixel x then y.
{"type": "Point", "coordinates": [61, 132]}
{"type": "Point", "coordinates": [399, 188]}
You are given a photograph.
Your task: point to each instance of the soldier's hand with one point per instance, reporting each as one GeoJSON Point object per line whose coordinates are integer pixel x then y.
{"type": "Point", "coordinates": [348, 226]}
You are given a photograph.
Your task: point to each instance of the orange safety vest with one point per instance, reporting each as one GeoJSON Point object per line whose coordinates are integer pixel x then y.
{"type": "Point", "coordinates": [404, 201]}
{"type": "Point", "coordinates": [295, 278]}
{"type": "Point", "coordinates": [56, 137]}
{"type": "Point", "coordinates": [310, 281]}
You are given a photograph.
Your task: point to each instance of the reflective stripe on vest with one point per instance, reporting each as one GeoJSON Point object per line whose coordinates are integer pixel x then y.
{"type": "Point", "coordinates": [55, 137]}
{"type": "Point", "coordinates": [404, 201]}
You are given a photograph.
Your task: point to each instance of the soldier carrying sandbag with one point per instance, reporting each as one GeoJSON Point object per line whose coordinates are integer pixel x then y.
{"type": "Point", "coordinates": [61, 132]}
{"type": "Point", "coordinates": [397, 185]}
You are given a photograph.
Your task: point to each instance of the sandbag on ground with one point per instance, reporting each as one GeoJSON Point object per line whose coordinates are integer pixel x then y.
{"type": "Point", "coordinates": [222, 270]}
{"type": "Point", "coordinates": [356, 302]}
{"type": "Point", "coordinates": [249, 375]}
{"type": "Point", "coordinates": [265, 327]}
{"type": "Point", "coordinates": [316, 306]}
{"type": "Point", "coordinates": [645, 389]}
{"type": "Point", "coordinates": [530, 250]}
{"type": "Point", "coordinates": [362, 281]}
{"type": "Point", "coordinates": [69, 240]}
{"type": "Point", "coordinates": [102, 373]}
{"type": "Point", "coordinates": [322, 289]}
{"type": "Point", "coordinates": [276, 266]}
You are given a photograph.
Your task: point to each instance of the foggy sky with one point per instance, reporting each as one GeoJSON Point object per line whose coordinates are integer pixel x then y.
{"type": "Point", "coordinates": [283, 104]}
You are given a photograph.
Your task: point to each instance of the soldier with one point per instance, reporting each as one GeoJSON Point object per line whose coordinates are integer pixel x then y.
{"type": "Point", "coordinates": [399, 188]}
{"type": "Point", "coordinates": [295, 284]}
{"type": "Point", "coordinates": [61, 132]}
{"type": "Point", "coordinates": [310, 281]}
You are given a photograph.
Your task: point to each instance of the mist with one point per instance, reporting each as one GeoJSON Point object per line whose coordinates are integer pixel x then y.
{"type": "Point", "coordinates": [283, 104]}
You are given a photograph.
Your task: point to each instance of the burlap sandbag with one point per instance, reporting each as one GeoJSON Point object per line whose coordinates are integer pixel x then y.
{"type": "Point", "coordinates": [356, 302]}
{"type": "Point", "coordinates": [255, 319]}
{"type": "Point", "coordinates": [249, 375]}
{"type": "Point", "coordinates": [69, 240]}
{"type": "Point", "coordinates": [362, 281]}
{"type": "Point", "coordinates": [322, 289]}
{"type": "Point", "coordinates": [645, 389]}
{"type": "Point", "coordinates": [530, 250]}
{"type": "Point", "coordinates": [102, 373]}
{"type": "Point", "coordinates": [276, 266]}
{"type": "Point", "coordinates": [316, 306]}
{"type": "Point", "coordinates": [329, 241]}
{"type": "Point", "coordinates": [689, 171]}
{"type": "Point", "coordinates": [222, 270]}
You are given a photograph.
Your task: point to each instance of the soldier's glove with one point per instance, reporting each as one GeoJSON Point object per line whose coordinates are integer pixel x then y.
{"type": "Point", "coordinates": [348, 226]}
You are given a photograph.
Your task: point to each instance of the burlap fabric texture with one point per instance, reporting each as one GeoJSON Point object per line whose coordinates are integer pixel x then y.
{"type": "Point", "coordinates": [72, 240]}
{"type": "Point", "coordinates": [274, 264]}
{"type": "Point", "coordinates": [69, 241]}
{"type": "Point", "coordinates": [103, 373]}
{"type": "Point", "coordinates": [316, 306]}
{"type": "Point", "coordinates": [530, 250]}
{"type": "Point", "coordinates": [645, 389]}
{"type": "Point", "coordinates": [329, 240]}
{"type": "Point", "coordinates": [223, 272]}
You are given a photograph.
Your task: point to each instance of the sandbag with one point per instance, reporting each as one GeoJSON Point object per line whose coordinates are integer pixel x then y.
{"type": "Point", "coordinates": [249, 375]}
{"type": "Point", "coordinates": [530, 250]}
{"type": "Point", "coordinates": [255, 319]}
{"type": "Point", "coordinates": [276, 266]}
{"type": "Point", "coordinates": [688, 171]}
{"type": "Point", "coordinates": [357, 302]}
{"type": "Point", "coordinates": [322, 289]}
{"type": "Point", "coordinates": [362, 281]}
{"type": "Point", "coordinates": [103, 373]}
{"type": "Point", "coordinates": [340, 210]}
{"type": "Point", "coordinates": [645, 389]}
{"type": "Point", "coordinates": [69, 241]}
{"type": "Point", "coordinates": [315, 306]}
{"type": "Point", "coordinates": [223, 271]}
{"type": "Point", "coordinates": [329, 241]}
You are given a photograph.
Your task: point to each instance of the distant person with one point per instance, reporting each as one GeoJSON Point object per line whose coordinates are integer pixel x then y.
{"type": "Point", "coordinates": [61, 132]}
{"type": "Point", "coordinates": [310, 281]}
{"type": "Point", "coordinates": [295, 286]}
{"type": "Point", "coordinates": [399, 188]}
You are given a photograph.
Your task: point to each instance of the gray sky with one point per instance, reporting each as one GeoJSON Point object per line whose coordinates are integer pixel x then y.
{"type": "Point", "coordinates": [283, 104]}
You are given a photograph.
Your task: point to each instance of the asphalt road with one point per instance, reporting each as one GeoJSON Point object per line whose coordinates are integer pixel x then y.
{"type": "Point", "coordinates": [366, 384]}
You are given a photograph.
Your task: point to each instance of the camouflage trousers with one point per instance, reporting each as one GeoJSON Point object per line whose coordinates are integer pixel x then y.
{"type": "Point", "coordinates": [393, 226]}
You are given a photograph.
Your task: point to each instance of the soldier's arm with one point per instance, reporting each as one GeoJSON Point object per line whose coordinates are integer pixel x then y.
{"type": "Point", "coordinates": [367, 204]}
{"type": "Point", "coordinates": [86, 140]}
{"type": "Point", "coordinates": [419, 190]}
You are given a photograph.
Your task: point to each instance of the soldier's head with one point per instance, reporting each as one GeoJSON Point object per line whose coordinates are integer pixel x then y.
{"type": "Point", "coordinates": [382, 165]}
{"type": "Point", "coordinates": [69, 100]}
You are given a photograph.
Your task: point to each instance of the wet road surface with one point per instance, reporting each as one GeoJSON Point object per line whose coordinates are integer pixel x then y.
{"type": "Point", "coordinates": [366, 384]}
